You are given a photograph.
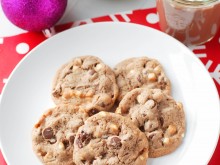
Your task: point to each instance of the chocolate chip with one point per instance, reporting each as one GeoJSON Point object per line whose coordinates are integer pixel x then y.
{"type": "Point", "coordinates": [115, 142]}
{"type": "Point", "coordinates": [43, 153]}
{"type": "Point", "coordinates": [83, 139]}
{"type": "Point", "coordinates": [150, 136]}
{"type": "Point", "coordinates": [79, 143]}
{"type": "Point", "coordinates": [102, 104]}
{"type": "Point", "coordinates": [57, 92]}
{"type": "Point", "coordinates": [48, 133]}
{"type": "Point", "coordinates": [65, 143]}
{"type": "Point", "coordinates": [103, 154]}
{"type": "Point", "coordinates": [161, 121]}
{"type": "Point", "coordinates": [96, 64]}
{"type": "Point", "coordinates": [93, 112]}
{"type": "Point", "coordinates": [71, 139]}
{"type": "Point", "coordinates": [163, 83]}
{"type": "Point", "coordinates": [142, 128]}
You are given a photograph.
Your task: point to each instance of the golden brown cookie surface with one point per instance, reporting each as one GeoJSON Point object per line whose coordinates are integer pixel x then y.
{"type": "Point", "coordinates": [158, 115]}
{"type": "Point", "coordinates": [108, 138]}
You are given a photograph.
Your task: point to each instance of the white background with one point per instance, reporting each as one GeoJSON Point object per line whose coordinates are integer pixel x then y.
{"type": "Point", "coordinates": [82, 9]}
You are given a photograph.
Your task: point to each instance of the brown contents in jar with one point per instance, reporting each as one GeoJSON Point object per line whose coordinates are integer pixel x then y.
{"type": "Point", "coordinates": [190, 24]}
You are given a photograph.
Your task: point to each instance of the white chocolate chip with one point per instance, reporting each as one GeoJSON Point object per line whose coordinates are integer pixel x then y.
{"type": "Point", "coordinates": [158, 95]}
{"type": "Point", "coordinates": [75, 67]}
{"type": "Point", "coordinates": [152, 77]}
{"type": "Point", "coordinates": [52, 141]}
{"type": "Point", "coordinates": [68, 94]}
{"type": "Point", "coordinates": [113, 129]}
{"type": "Point", "coordinates": [90, 93]}
{"type": "Point", "coordinates": [97, 134]}
{"type": "Point", "coordinates": [132, 71]}
{"type": "Point", "coordinates": [49, 157]}
{"type": "Point", "coordinates": [61, 146]}
{"type": "Point", "coordinates": [183, 135]}
{"type": "Point", "coordinates": [140, 99]}
{"type": "Point", "coordinates": [166, 140]}
{"type": "Point", "coordinates": [98, 67]}
{"type": "Point", "coordinates": [171, 130]}
{"type": "Point", "coordinates": [103, 114]}
{"type": "Point", "coordinates": [157, 69]}
{"type": "Point", "coordinates": [77, 62]}
{"type": "Point", "coordinates": [118, 111]}
{"type": "Point", "coordinates": [78, 93]}
{"type": "Point", "coordinates": [180, 105]}
{"type": "Point", "coordinates": [150, 104]}
{"type": "Point", "coordinates": [142, 158]}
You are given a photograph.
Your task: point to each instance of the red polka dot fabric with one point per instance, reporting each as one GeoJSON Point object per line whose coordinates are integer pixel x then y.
{"type": "Point", "coordinates": [14, 48]}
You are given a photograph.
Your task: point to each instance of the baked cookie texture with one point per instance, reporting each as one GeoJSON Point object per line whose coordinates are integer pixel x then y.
{"type": "Point", "coordinates": [147, 122]}
{"type": "Point", "coordinates": [156, 114]}
{"type": "Point", "coordinates": [87, 82]}
{"type": "Point", "coordinates": [109, 138]}
{"type": "Point", "coordinates": [140, 72]}
{"type": "Point", "coordinates": [53, 136]}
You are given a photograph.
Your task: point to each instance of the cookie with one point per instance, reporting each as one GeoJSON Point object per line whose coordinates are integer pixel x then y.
{"type": "Point", "coordinates": [53, 136]}
{"type": "Point", "coordinates": [156, 114]}
{"type": "Point", "coordinates": [140, 72]}
{"type": "Point", "coordinates": [109, 138]}
{"type": "Point", "coordinates": [85, 81]}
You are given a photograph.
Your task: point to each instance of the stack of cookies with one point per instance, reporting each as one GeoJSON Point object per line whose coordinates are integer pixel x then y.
{"type": "Point", "coordinates": [109, 117]}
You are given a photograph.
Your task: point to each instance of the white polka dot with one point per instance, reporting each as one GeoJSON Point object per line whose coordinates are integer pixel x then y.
{"type": "Point", "coordinates": [5, 80]}
{"type": "Point", "coordinates": [22, 48]}
{"type": "Point", "coordinates": [152, 18]}
{"type": "Point", "coordinates": [219, 40]}
{"type": "Point", "coordinates": [1, 40]}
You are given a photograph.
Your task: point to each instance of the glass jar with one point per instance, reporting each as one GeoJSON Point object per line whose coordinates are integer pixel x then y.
{"type": "Point", "coordinates": [192, 22]}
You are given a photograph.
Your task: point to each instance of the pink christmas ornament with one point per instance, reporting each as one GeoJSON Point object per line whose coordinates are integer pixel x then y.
{"type": "Point", "coordinates": [34, 15]}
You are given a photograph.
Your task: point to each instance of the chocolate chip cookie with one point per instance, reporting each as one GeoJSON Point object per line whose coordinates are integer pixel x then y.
{"type": "Point", "coordinates": [108, 138]}
{"type": "Point", "coordinates": [53, 136]}
{"type": "Point", "coordinates": [156, 114]}
{"type": "Point", "coordinates": [85, 81]}
{"type": "Point", "coordinates": [140, 72]}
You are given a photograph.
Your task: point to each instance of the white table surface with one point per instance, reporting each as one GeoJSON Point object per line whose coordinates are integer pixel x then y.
{"type": "Point", "coordinates": [82, 9]}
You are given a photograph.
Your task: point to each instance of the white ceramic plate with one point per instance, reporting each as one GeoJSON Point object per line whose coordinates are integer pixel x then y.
{"type": "Point", "coordinates": [27, 93]}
